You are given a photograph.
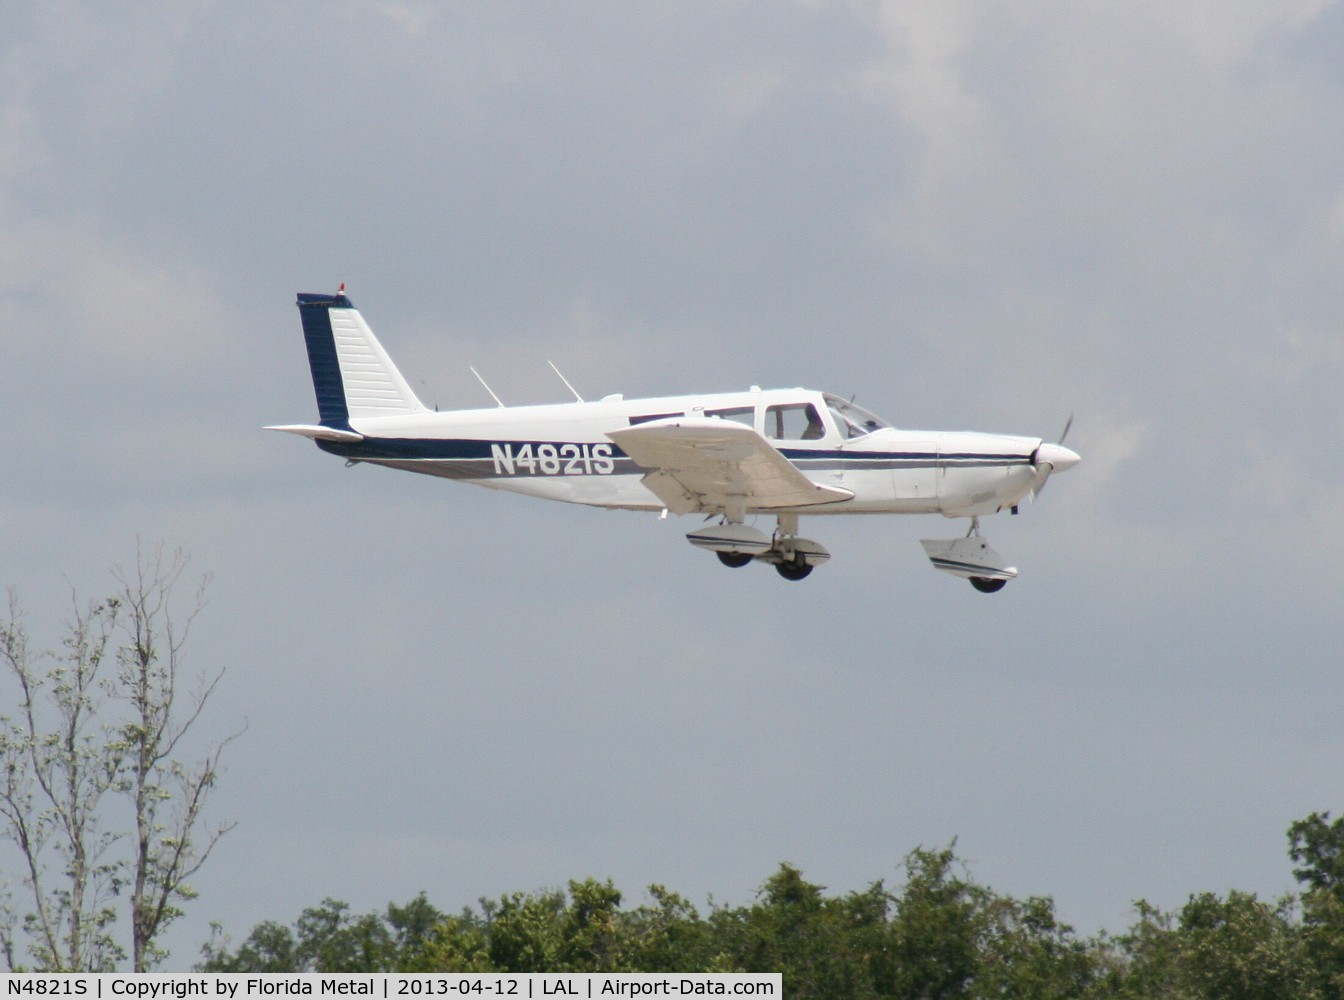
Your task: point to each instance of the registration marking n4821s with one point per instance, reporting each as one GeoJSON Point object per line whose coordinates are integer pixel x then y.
{"type": "Point", "coordinates": [553, 459]}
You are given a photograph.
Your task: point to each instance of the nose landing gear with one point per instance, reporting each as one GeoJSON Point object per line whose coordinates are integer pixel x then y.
{"type": "Point", "coordinates": [971, 558]}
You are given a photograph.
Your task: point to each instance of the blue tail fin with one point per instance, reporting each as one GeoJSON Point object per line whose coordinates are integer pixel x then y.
{"type": "Point", "coordinates": [352, 375]}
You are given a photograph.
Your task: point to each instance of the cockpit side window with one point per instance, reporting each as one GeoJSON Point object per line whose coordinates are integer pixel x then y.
{"type": "Point", "coordinates": [853, 419]}
{"type": "Point", "coordinates": [647, 417]}
{"type": "Point", "coordinates": [737, 414]}
{"type": "Point", "coordinates": [794, 422]}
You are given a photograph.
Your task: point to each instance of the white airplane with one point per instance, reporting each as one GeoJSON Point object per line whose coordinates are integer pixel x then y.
{"type": "Point", "coordinates": [775, 452]}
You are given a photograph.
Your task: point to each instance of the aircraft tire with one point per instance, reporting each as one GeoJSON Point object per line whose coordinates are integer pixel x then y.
{"type": "Point", "coordinates": [987, 586]}
{"type": "Point", "coordinates": [733, 560]}
{"type": "Point", "coordinates": [793, 570]}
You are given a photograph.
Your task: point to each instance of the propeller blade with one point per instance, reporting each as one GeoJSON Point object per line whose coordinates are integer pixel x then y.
{"type": "Point", "coordinates": [1047, 459]}
{"type": "Point", "coordinates": [1043, 470]}
{"type": "Point", "coordinates": [1068, 425]}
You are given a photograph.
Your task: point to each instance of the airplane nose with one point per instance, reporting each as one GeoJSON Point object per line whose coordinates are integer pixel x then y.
{"type": "Point", "coordinates": [1056, 456]}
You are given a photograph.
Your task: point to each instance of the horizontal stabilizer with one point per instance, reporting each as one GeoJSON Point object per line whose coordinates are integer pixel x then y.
{"type": "Point", "coordinates": [318, 432]}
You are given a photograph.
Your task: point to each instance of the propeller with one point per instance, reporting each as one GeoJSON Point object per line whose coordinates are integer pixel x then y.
{"type": "Point", "coordinates": [1050, 458]}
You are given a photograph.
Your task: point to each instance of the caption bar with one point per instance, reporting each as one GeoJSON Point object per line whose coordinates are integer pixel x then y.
{"type": "Point", "coordinates": [389, 986]}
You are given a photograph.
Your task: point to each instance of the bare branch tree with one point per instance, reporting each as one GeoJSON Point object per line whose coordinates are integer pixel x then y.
{"type": "Point", "coordinates": [86, 734]}
{"type": "Point", "coordinates": [168, 849]}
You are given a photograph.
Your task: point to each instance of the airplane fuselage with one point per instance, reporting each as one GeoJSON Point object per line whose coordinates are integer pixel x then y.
{"type": "Point", "coordinates": [563, 452]}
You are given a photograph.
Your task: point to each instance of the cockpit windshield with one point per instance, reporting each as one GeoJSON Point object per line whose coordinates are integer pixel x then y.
{"type": "Point", "coordinates": [853, 419]}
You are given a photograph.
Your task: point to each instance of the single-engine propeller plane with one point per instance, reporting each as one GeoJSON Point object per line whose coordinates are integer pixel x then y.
{"type": "Point", "coordinates": [731, 456]}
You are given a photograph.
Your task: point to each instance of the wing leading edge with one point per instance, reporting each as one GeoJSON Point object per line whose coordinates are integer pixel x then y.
{"type": "Point", "coordinates": [702, 464]}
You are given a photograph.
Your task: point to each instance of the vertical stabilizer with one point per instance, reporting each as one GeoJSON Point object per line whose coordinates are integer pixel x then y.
{"type": "Point", "coordinates": [352, 375]}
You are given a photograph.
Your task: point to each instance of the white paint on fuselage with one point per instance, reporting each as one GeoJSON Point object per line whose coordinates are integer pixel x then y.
{"type": "Point", "coordinates": [889, 470]}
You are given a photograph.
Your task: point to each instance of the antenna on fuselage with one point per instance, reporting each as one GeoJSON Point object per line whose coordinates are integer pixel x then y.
{"type": "Point", "coordinates": [565, 380]}
{"type": "Point", "coordinates": [487, 387]}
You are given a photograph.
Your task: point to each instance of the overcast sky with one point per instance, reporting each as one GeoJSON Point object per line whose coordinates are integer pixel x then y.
{"type": "Point", "coordinates": [970, 216]}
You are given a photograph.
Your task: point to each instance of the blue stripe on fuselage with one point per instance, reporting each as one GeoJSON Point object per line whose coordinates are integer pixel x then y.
{"type": "Point", "coordinates": [468, 449]}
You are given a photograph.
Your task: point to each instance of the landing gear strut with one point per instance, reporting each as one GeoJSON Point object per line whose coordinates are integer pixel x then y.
{"type": "Point", "coordinates": [737, 544]}
{"type": "Point", "coordinates": [793, 557]}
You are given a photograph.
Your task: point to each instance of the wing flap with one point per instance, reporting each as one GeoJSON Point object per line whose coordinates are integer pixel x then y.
{"type": "Point", "coordinates": [706, 464]}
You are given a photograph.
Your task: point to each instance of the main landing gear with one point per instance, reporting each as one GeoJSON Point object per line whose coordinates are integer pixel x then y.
{"type": "Point", "coordinates": [793, 569]}
{"type": "Point", "coordinates": [737, 544]}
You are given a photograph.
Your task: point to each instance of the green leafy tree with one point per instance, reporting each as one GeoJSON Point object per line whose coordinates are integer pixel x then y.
{"type": "Point", "coordinates": [1213, 948]}
{"type": "Point", "coordinates": [939, 935]}
{"type": "Point", "coordinates": [455, 944]}
{"type": "Point", "coordinates": [669, 936]}
{"type": "Point", "coordinates": [1144, 961]}
{"type": "Point", "coordinates": [329, 938]}
{"type": "Point", "coordinates": [271, 947]}
{"type": "Point", "coordinates": [952, 937]}
{"type": "Point", "coordinates": [822, 946]}
{"type": "Point", "coordinates": [935, 935]}
{"type": "Point", "coordinates": [552, 932]}
{"type": "Point", "coordinates": [1316, 846]}
{"type": "Point", "coordinates": [1027, 952]}
{"type": "Point", "coordinates": [592, 930]}
{"type": "Point", "coordinates": [523, 932]}
{"type": "Point", "coordinates": [1239, 948]}
{"type": "Point", "coordinates": [414, 932]}
{"type": "Point", "coordinates": [59, 764]}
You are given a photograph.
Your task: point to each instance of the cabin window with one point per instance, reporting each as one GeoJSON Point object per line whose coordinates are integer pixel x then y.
{"type": "Point", "coordinates": [794, 422]}
{"type": "Point", "coordinates": [652, 416]}
{"type": "Point", "coordinates": [745, 415]}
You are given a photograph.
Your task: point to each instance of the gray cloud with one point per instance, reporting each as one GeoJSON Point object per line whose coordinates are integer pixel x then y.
{"type": "Point", "coordinates": [969, 217]}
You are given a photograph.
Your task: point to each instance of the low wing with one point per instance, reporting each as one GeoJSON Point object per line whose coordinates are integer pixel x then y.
{"type": "Point", "coordinates": [705, 464]}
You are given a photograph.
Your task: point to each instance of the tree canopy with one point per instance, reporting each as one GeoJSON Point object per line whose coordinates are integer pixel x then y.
{"type": "Point", "coordinates": [939, 934]}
